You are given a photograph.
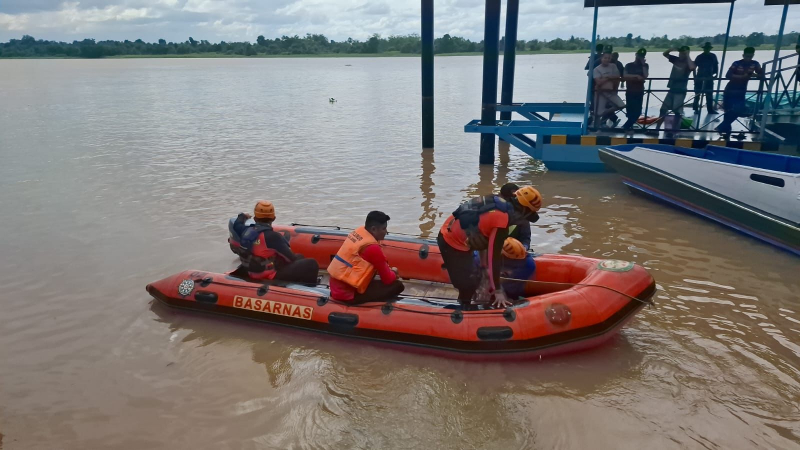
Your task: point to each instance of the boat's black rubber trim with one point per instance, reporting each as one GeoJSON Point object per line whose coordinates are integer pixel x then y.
{"type": "Point", "coordinates": [343, 320]}
{"type": "Point", "coordinates": [206, 297]}
{"type": "Point", "coordinates": [495, 333]}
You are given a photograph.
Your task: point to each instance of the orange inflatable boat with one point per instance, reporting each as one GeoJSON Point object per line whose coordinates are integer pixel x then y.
{"type": "Point", "coordinates": [574, 302]}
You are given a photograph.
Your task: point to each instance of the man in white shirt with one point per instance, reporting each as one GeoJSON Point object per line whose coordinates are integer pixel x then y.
{"type": "Point", "coordinates": [606, 84]}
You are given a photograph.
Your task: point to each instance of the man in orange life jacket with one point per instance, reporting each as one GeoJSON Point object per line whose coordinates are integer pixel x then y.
{"type": "Point", "coordinates": [355, 264]}
{"type": "Point", "coordinates": [517, 262]}
{"type": "Point", "coordinates": [481, 224]}
{"type": "Point", "coordinates": [265, 253]}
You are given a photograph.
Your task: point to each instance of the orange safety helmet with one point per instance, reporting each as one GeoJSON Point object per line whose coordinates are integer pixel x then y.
{"type": "Point", "coordinates": [264, 210]}
{"type": "Point", "coordinates": [513, 249]}
{"type": "Point", "coordinates": [529, 197]}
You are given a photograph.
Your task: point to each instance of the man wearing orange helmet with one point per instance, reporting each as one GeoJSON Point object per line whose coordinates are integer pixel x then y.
{"type": "Point", "coordinates": [517, 262]}
{"type": "Point", "coordinates": [482, 224]}
{"type": "Point", "coordinates": [264, 252]}
{"type": "Point", "coordinates": [519, 226]}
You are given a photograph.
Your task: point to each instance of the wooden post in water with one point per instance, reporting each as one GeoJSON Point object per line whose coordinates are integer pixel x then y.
{"type": "Point", "coordinates": [427, 74]}
{"type": "Point", "coordinates": [509, 57]}
{"type": "Point", "coordinates": [491, 57]}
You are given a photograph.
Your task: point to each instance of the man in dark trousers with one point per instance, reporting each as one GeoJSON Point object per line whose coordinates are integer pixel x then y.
{"type": "Point", "coordinates": [264, 252]}
{"type": "Point", "coordinates": [635, 74]}
{"type": "Point", "coordinates": [359, 258]}
{"type": "Point", "coordinates": [734, 97]}
{"type": "Point", "coordinates": [707, 68]}
{"type": "Point", "coordinates": [682, 67]}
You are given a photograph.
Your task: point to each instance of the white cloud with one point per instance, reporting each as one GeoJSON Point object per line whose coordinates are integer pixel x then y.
{"type": "Point", "coordinates": [232, 20]}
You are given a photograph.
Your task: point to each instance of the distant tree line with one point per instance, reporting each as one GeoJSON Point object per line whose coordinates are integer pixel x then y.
{"type": "Point", "coordinates": [314, 44]}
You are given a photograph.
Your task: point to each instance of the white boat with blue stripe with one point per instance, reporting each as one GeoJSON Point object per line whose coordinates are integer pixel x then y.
{"type": "Point", "coordinates": [756, 193]}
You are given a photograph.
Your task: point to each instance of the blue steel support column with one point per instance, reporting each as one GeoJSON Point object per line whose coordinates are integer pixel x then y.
{"type": "Point", "coordinates": [427, 74]}
{"type": "Point", "coordinates": [491, 42]}
{"type": "Point", "coordinates": [589, 73]}
{"type": "Point", "coordinates": [773, 72]}
{"type": "Point", "coordinates": [722, 70]}
{"type": "Point", "coordinates": [509, 56]}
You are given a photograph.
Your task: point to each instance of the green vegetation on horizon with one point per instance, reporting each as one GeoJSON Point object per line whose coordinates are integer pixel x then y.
{"type": "Point", "coordinates": [318, 45]}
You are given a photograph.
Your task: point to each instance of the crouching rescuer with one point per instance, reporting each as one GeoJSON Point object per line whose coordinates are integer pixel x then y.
{"type": "Point", "coordinates": [353, 269]}
{"type": "Point", "coordinates": [482, 224]}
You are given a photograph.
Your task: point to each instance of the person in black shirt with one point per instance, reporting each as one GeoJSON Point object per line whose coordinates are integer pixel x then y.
{"type": "Point", "coordinates": [734, 98]}
{"type": "Point", "coordinates": [620, 67]}
{"type": "Point", "coordinates": [635, 74]}
{"type": "Point", "coordinates": [598, 52]}
{"type": "Point", "coordinates": [704, 75]}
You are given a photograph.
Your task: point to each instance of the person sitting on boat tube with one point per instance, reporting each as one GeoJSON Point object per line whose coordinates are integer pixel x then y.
{"type": "Point", "coordinates": [482, 224]}
{"type": "Point", "coordinates": [264, 252]}
{"type": "Point", "coordinates": [360, 257]}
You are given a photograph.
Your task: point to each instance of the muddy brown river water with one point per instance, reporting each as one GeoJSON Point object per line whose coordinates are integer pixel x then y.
{"type": "Point", "coordinates": [115, 173]}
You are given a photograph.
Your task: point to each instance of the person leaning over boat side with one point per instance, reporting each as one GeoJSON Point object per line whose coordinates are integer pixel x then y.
{"type": "Point", "coordinates": [265, 254]}
{"type": "Point", "coordinates": [481, 224]}
{"type": "Point", "coordinates": [635, 74]}
{"type": "Point", "coordinates": [707, 68]}
{"type": "Point", "coordinates": [517, 262]}
{"type": "Point", "coordinates": [519, 226]}
{"type": "Point", "coordinates": [359, 258]}
{"type": "Point", "coordinates": [734, 96]}
{"type": "Point", "coordinates": [606, 79]}
{"type": "Point", "coordinates": [682, 67]}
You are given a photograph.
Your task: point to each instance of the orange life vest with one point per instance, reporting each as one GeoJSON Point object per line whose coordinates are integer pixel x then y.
{"type": "Point", "coordinates": [348, 266]}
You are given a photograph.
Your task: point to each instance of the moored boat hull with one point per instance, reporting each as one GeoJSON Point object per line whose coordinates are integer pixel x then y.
{"type": "Point", "coordinates": [672, 188]}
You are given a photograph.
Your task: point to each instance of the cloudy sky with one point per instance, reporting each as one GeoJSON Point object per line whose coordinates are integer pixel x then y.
{"type": "Point", "coordinates": [235, 20]}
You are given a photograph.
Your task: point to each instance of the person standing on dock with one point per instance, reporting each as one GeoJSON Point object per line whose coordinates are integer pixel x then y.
{"type": "Point", "coordinates": [620, 67]}
{"type": "Point", "coordinates": [705, 73]}
{"type": "Point", "coordinates": [606, 100]}
{"type": "Point", "coordinates": [482, 224]}
{"type": "Point", "coordinates": [734, 97]}
{"type": "Point", "coordinates": [359, 258]}
{"type": "Point", "coordinates": [682, 67]}
{"type": "Point", "coordinates": [598, 53]}
{"type": "Point", "coordinates": [635, 74]}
